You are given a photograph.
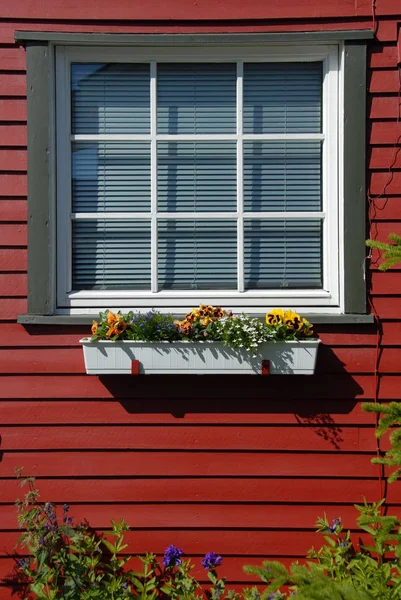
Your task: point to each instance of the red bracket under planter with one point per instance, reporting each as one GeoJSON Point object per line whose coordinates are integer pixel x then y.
{"type": "Point", "coordinates": [135, 367]}
{"type": "Point", "coordinates": [265, 367]}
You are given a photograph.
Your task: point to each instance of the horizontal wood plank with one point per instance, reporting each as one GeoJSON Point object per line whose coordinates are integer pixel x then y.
{"type": "Point", "coordinates": [12, 84]}
{"type": "Point", "coordinates": [384, 81]}
{"type": "Point", "coordinates": [386, 183]}
{"type": "Point", "coordinates": [182, 490]}
{"type": "Point", "coordinates": [171, 10]}
{"type": "Point", "coordinates": [384, 107]}
{"type": "Point", "coordinates": [183, 463]}
{"type": "Point", "coordinates": [212, 516]}
{"type": "Point", "coordinates": [384, 132]}
{"type": "Point", "coordinates": [12, 109]}
{"type": "Point", "coordinates": [383, 56]}
{"type": "Point", "coordinates": [13, 259]}
{"type": "Point", "coordinates": [171, 387]}
{"type": "Point", "coordinates": [10, 308]}
{"type": "Point", "coordinates": [13, 285]}
{"type": "Point", "coordinates": [13, 235]}
{"type": "Point", "coordinates": [184, 437]}
{"type": "Point", "coordinates": [386, 158]}
{"type": "Point", "coordinates": [13, 59]}
{"type": "Point", "coordinates": [13, 184]}
{"type": "Point", "coordinates": [13, 210]}
{"type": "Point", "coordinates": [13, 135]}
{"type": "Point", "coordinates": [12, 159]}
{"type": "Point", "coordinates": [63, 412]}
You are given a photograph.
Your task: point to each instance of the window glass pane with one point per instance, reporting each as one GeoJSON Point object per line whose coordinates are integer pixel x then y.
{"type": "Point", "coordinates": [282, 176]}
{"type": "Point", "coordinates": [282, 97]}
{"type": "Point", "coordinates": [110, 177]}
{"type": "Point", "coordinates": [283, 254]}
{"type": "Point", "coordinates": [111, 255]}
{"type": "Point", "coordinates": [196, 98]}
{"type": "Point", "coordinates": [197, 176]}
{"type": "Point", "coordinates": [197, 255]}
{"type": "Point", "coordinates": [110, 98]}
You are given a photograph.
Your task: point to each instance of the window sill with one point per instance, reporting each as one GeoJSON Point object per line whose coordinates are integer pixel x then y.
{"type": "Point", "coordinates": [316, 319]}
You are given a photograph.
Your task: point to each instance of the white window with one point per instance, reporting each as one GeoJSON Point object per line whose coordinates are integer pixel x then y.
{"type": "Point", "coordinates": [198, 175]}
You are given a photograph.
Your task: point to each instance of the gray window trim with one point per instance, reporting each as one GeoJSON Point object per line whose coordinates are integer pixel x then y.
{"type": "Point", "coordinates": [40, 210]}
{"type": "Point", "coordinates": [124, 39]}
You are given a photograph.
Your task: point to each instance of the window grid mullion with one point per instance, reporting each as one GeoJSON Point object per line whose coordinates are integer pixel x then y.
{"type": "Point", "coordinates": [153, 176]}
{"type": "Point", "coordinates": [240, 183]}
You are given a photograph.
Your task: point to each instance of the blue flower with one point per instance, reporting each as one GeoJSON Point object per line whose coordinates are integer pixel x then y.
{"type": "Point", "coordinates": [172, 556]}
{"type": "Point", "coordinates": [24, 563]}
{"type": "Point", "coordinates": [333, 527]}
{"type": "Point", "coordinates": [211, 561]}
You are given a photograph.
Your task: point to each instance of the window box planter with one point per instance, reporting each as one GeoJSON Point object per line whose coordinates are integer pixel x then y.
{"type": "Point", "coordinates": [198, 358]}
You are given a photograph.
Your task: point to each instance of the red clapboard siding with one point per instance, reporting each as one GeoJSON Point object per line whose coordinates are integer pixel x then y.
{"type": "Point", "coordinates": [382, 57]}
{"type": "Point", "coordinates": [195, 464]}
{"type": "Point", "coordinates": [12, 335]}
{"type": "Point", "coordinates": [12, 160]}
{"type": "Point", "coordinates": [385, 209]}
{"type": "Point", "coordinates": [387, 30]}
{"type": "Point", "coordinates": [384, 107]}
{"type": "Point", "coordinates": [182, 386]}
{"type": "Point", "coordinates": [13, 235]}
{"type": "Point", "coordinates": [12, 59]}
{"type": "Point", "coordinates": [384, 133]}
{"type": "Point", "coordinates": [386, 283]}
{"type": "Point", "coordinates": [349, 359]}
{"type": "Point", "coordinates": [13, 135]}
{"type": "Point", "coordinates": [13, 185]}
{"type": "Point", "coordinates": [42, 361]}
{"type": "Point", "coordinates": [175, 437]}
{"type": "Point", "coordinates": [13, 259]}
{"type": "Point", "coordinates": [281, 543]}
{"type": "Point", "coordinates": [387, 307]}
{"type": "Point", "coordinates": [7, 28]}
{"type": "Point", "coordinates": [198, 515]}
{"type": "Point", "coordinates": [10, 308]}
{"type": "Point", "coordinates": [12, 84]}
{"type": "Point", "coordinates": [384, 158]}
{"type": "Point", "coordinates": [69, 412]}
{"type": "Point", "coordinates": [12, 109]}
{"type": "Point", "coordinates": [237, 491]}
{"type": "Point", "coordinates": [383, 181]}
{"type": "Point", "coordinates": [13, 210]}
{"type": "Point", "coordinates": [97, 10]}
{"type": "Point", "coordinates": [384, 81]}
{"type": "Point", "coordinates": [13, 284]}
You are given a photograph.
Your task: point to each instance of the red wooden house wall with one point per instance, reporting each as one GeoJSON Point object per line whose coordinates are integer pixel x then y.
{"type": "Point", "coordinates": [240, 468]}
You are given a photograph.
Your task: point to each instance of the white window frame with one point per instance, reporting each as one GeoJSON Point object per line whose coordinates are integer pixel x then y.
{"type": "Point", "coordinates": [328, 300]}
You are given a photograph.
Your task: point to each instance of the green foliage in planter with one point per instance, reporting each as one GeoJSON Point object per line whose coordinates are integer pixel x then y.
{"type": "Point", "coordinates": [341, 571]}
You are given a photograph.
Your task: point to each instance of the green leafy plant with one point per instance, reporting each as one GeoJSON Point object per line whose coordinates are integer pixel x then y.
{"type": "Point", "coordinates": [390, 418]}
{"type": "Point", "coordinates": [340, 569]}
{"type": "Point", "coordinates": [206, 323]}
{"type": "Point", "coordinates": [391, 252]}
{"type": "Point", "coordinates": [68, 561]}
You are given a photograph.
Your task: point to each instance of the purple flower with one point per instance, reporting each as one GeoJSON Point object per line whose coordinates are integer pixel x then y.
{"type": "Point", "coordinates": [172, 556]}
{"type": "Point", "coordinates": [333, 527]}
{"type": "Point", "coordinates": [49, 511]}
{"type": "Point", "coordinates": [211, 561]}
{"type": "Point", "coordinates": [24, 563]}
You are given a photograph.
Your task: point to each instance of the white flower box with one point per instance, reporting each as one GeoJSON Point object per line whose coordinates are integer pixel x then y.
{"type": "Point", "coordinates": [198, 358]}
